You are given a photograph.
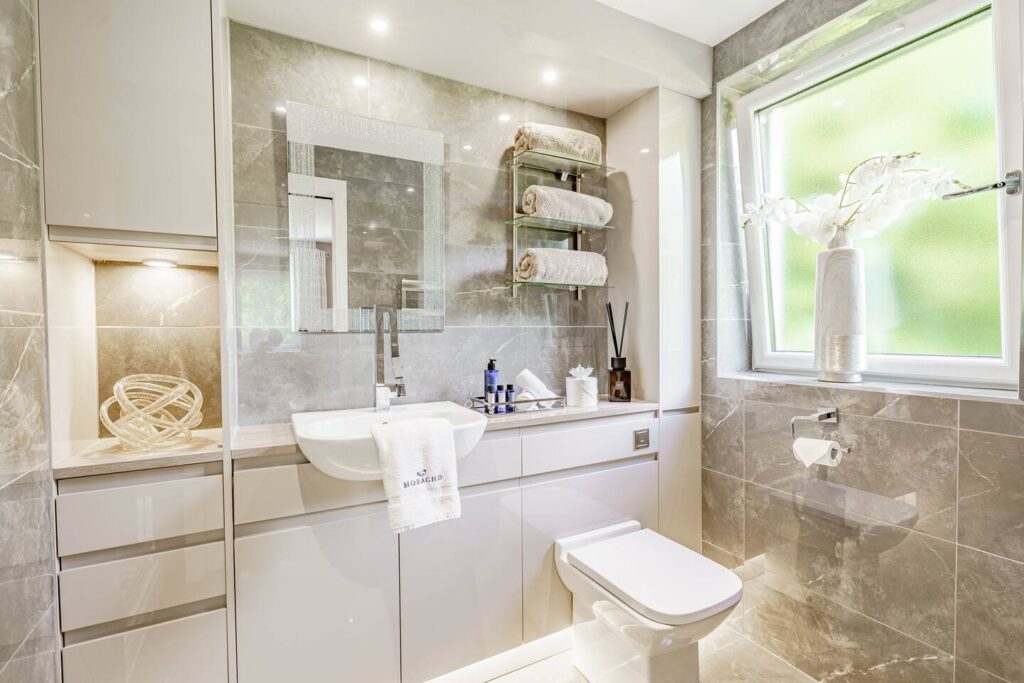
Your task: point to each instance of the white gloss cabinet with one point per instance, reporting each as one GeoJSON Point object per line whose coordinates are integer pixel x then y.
{"type": "Point", "coordinates": [319, 602]}
{"type": "Point", "coordinates": [570, 505]}
{"type": "Point", "coordinates": [128, 120]}
{"type": "Point", "coordinates": [461, 585]}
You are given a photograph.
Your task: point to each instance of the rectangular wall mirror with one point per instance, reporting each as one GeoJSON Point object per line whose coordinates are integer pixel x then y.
{"type": "Point", "coordinates": [365, 221]}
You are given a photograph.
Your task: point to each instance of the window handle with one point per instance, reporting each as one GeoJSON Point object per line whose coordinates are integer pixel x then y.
{"type": "Point", "coordinates": [1011, 184]}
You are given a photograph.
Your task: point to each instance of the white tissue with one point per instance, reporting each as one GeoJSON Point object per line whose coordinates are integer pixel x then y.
{"type": "Point", "coordinates": [817, 452]}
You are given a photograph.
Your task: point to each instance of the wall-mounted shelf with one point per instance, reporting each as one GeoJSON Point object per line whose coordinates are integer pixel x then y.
{"type": "Point", "coordinates": [563, 166]}
{"type": "Point", "coordinates": [540, 223]}
{"type": "Point", "coordinates": [555, 285]}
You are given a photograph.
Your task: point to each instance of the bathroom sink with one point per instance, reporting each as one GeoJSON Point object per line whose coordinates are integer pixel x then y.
{"type": "Point", "coordinates": [339, 443]}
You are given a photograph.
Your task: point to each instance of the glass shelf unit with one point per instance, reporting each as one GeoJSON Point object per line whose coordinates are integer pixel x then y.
{"type": "Point", "coordinates": [561, 165]}
{"type": "Point", "coordinates": [556, 285]}
{"type": "Point", "coordinates": [553, 224]}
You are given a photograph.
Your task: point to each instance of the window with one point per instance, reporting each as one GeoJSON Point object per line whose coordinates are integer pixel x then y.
{"type": "Point", "coordinates": [943, 283]}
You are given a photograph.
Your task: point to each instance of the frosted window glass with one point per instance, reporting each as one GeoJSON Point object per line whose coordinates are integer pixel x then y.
{"type": "Point", "coordinates": [933, 277]}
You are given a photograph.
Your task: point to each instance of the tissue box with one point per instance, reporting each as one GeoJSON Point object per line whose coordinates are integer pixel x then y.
{"type": "Point", "coordinates": [581, 393]}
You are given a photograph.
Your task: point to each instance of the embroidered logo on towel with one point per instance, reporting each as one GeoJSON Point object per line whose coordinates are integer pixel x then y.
{"type": "Point", "coordinates": [422, 478]}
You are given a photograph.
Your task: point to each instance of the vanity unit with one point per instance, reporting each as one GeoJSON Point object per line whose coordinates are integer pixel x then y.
{"type": "Point", "coordinates": [323, 588]}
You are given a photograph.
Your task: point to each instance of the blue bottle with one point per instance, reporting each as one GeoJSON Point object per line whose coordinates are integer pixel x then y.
{"type": "Point", "coordinates": [491, 385]}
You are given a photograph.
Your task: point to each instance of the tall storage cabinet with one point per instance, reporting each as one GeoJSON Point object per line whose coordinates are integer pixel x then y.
{"type": "Point", "coordinates": [128, 121]}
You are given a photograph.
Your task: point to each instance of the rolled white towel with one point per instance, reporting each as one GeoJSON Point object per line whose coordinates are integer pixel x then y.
{"type": "Point", "coordinates": [562, 266]}
{"type": "Point", "coordinates": [567, 142]}
{"type": "Point", "coordinates": [532, 386]}
{"type": "Point", "coordinates": [526, 407]}
{"type": "Point", "coordinates": [565, 205]}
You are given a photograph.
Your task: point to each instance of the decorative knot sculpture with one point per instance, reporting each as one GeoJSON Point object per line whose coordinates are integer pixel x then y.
{"type": "Point", "coordinates": [156, 411]}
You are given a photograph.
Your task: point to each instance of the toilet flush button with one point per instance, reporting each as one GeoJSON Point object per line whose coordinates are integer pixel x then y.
{"type": "Point", "coordinates": [641, 439]}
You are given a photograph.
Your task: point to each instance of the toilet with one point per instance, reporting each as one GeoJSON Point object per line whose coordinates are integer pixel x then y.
{"type": "Point", "coordinates": [640, 603]}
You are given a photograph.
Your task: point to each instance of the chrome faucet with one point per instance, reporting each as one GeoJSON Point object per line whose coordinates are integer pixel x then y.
{"type": "Point", "coordinates": [382, 392]}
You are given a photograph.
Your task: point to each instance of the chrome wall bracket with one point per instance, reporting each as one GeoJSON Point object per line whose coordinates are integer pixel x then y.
{"type": "Point", "coordinates": [826, 415]}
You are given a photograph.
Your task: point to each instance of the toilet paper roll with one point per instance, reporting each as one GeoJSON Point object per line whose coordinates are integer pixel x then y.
{"type": "Point", "coordinates": [817, 452]}
{"type": "Point", "coordinates": [581, 392]}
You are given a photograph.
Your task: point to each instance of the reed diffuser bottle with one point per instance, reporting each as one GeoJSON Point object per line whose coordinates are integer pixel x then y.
{"type": "Point", "coordinates": [620, 380]}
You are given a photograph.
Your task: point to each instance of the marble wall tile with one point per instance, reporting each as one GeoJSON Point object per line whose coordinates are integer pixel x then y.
{"type": "Point", "coordinates": [476, 206]}
{"type": "Point", "coordinates": [991, 493]}
{"type": "Point", "coordinates": [467, 115]}
{"type": "Point", "coordinates": [268, 69]}
{"type": "Point", "coordinates": [19, 235]}
{"type": "Point", "coordinates": [35, 661]}
{"type": "Point", "coordinates": [23, 416]}
{"type": "Point", "coordinates": [722, 511]}
{"type": "Point", "coordinates": [722, 435]}
{"type": "Point", "coordinates": [260, 163]}
{"type": "Point", "coordinates": [189, 352]}
{"type": "Point", "coordinates": [987, 416]}
{"type": "Point", "coordinates": [18, 77]}
{"type": "Point", "coordinates": [476, 287]}
{"type": "Point", "coordinates": [552, 351]}
{"type": "Point", "coordinates": [990, 623]}
{"type": "Point", "coordinates": [967, 673]}
{"type": "Point", "coordinates": [898, 577]}
{"type": "Point", "coordinates": [833, 643]}
{"type": "Point", "coordinates": [131, 295]}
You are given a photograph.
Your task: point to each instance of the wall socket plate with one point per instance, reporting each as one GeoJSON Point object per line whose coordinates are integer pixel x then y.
{"type": "Point", "coordinates": [641, 439]}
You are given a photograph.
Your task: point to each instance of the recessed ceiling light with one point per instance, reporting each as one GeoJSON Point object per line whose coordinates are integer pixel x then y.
{"type": "Point", "coordinates": [359, 81]}
{"type": "Point", "coordinates": [505, 118]}
{"type": "Point", "coordinates": [159, 263]}
{"type": "Point", "coordinates": [280, 109]}
{"type": "Point", "coordinates": [9, 256]}
{"type": "Point", "coordinates": [549, 75]}
{"type": "Point", "coordinates": [379, 25]}
{"type": "Point", "coordinates": [467, 147]}
{"type": "Point", "coordinates": [410, 190]}
{"type": "Point", "coordinates": [645, 150]}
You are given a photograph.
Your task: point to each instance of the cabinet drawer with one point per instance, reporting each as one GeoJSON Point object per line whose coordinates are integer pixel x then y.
{"type": "Point", "coordinates": [113, 517]}
{"type": "Point", "coordinates": [103, 592]}
{"type": "Point", "coordinates": [192, 649]}
{"type": "Point", "coordinates": [559, 447]}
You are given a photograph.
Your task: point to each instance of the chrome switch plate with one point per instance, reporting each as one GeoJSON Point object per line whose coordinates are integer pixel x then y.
{"type": "Point", "coordinates": [641, 439]}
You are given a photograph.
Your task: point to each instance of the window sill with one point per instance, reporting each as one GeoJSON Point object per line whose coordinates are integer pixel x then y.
{"type": "Point", "coordinates": [882, 386]}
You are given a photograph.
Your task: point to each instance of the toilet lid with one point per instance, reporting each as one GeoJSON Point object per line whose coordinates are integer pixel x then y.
{"type": "Point", "coordinates": [659, 578]}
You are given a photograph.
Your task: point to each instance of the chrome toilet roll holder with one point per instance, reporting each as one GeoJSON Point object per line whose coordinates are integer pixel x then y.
{"type": "Point", "coordinates": [823, 416]}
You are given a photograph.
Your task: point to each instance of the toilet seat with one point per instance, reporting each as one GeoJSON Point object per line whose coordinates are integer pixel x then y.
{"type": "Point", "coordinates": [658, 578]}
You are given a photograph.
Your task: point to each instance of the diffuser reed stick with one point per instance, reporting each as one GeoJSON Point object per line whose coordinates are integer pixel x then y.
{"type": "Point", "coordinates": [618, 338]}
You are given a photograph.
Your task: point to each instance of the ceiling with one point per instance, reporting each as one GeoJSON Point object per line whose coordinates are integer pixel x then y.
{"type": "Point", "coordinates": [693, 19]}
{"type": "Point", "coordinates": [604, 58]}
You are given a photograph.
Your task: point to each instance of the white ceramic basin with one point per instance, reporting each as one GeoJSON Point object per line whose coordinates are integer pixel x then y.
{"type": "Point", "coordinates": [339, 443]}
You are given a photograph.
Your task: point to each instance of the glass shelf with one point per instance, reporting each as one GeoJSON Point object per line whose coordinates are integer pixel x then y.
{"type": "Point", "coordinates": [556, 285]}
{"type": "Point", "coordinates": [554, 224]}
{"type": "Point", "coordinates": [560, 164]}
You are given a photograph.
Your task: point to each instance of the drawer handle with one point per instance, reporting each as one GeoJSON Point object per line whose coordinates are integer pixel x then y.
{"type": "Point", "coordinates": [641, 439]}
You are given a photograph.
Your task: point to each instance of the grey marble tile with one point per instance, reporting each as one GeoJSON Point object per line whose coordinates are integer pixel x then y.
{"type": "Point", "coordinates": [249, 215]}
{"type": "Point", "coordinates": [35, 661]}
{"type": "Point", "coordinates": [260, 163]}
{"type": "Point", "coordinates": [20, 235]}
{"type": "Point", "coordinates": [713, 385]}
{"type": "Point", "coordinates": [709, 280]}
{"type": "Point", "coordinates": [722, 435]}
{"type": "Point", "coordinates": [545, 306]}
{"type": "Point", "coordinates": [990, 624]}
{"type": "Point", "coordinates": [708, 133]}
{"type": "Point", "coordinates": [991, 493]}
{"type": "Point", "coordinates": [390, 251]}
{"type": "Point", "coordinates": [905, 461]}
{"type": "Point", "coordinates": [267, 69]}
{"type": "Point", "coordinates": [967, 673]}
{"type": "Point", "coordinates": [189, 352]}
{"type": "Point", "coordinates": [552, 351]}
{"type": "Point", "coordinates": [23, 412]}
{"type": "Point", "coordinates": [733, 351]}
{"type": "Point", "coordinates": [898, 577]}
{"type": "Point", "coordinates": [18, 79]}
{"type": "Point", "coordinates": [476, 287]}
{"type": "Point", "coordinates": [742, 661]}
{"type": "Point", "coordinates": [262, 280]}
{"type": "Point", "coordinates": [476, 206]}
{"type": "Point", "coordinates": [831, 642]}
{"type": "Point", "coordinates": [722, 557]}
{"type": "Point", "coordinates": [987, 416]}
{"type": "Point", "coordinates": [922, 409]}
{"type": "Point", "coordinates": [717, 639]}
{"type": "Point", "coordinates": [132, 295]}
{"type": "Point", "coordinates": [469, 117]}
{"type": "Point", "coordinates": [722, 511]}
{"type": "Point", "coordinates": [26, 564]}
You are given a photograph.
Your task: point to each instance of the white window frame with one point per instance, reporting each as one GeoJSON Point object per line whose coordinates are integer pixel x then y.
{"type": "Point", "coordinates": [960, 371]}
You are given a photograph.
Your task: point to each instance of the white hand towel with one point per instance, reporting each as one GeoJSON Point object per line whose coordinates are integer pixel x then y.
{"type": "Point", "coordinates": [566, 205]}
{"type": "Point", "coordinates": [563, 266]}
{"type": "Point", "coordinates": [525, 407]}
{"type": "Point", "coordinates": [417, 459]}
{"type": "Point", "coordinates": [567, 142]}
{"type": "Point", "coordinates": [532, 385]}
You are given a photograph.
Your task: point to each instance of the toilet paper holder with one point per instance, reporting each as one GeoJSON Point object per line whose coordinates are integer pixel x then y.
{"type": "Point", "coordinates": [824, 415]}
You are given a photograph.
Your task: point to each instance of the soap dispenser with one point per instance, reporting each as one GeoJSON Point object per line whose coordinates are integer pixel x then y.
{"type": "Point", "coordinates": [491, 385]}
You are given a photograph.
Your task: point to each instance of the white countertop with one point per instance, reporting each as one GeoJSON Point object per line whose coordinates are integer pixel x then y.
{"type": "Point", "coordinates": [106, 456]}
{"type": "Point", "coordinates": [278, 439]}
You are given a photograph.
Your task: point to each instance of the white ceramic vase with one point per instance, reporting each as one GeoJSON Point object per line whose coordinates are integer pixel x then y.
{"type": "Point", "coordinates": [840, 320]}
